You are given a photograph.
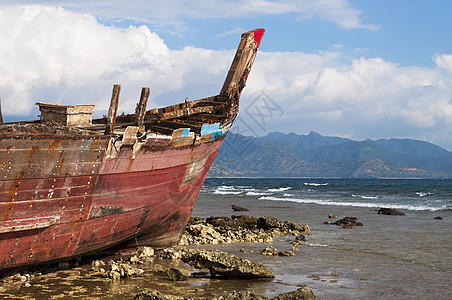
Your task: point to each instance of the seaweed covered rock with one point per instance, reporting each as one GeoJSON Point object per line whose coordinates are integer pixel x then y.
{"type": "Point", "coordinates": [347, 222]}
{"type": "Point", "coordinates": [243, 228]}
{"type": "Point", "coordinates": [269, 251]}
{"type": "Point", "coordinates": [302, 293]}
{"type": "Point", "coordinates": [268, 223]}
{"type": "Point", "coordinates": [239, 208]}
{"type": "Point", "coordinates": [224, 264]}
{"type": "Point", "coordinates": [390, 212]}
{"type": "Point", "coordinates": [178, 274]}
{"type": "Point", "coordinates": [155, 295]}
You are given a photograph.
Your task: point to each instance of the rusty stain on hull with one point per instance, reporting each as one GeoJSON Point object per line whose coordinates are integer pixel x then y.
{"type": "Point", "coordinates": [70, 185]}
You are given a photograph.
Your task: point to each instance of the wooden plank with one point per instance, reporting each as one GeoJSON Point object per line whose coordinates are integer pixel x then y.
{"type": "Point", "coordinates": [140, 110]}
{"type": "Point", "coordinates": [111, 118]}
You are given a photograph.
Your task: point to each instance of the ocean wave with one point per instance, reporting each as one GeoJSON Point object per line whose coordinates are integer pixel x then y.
{"type": "Point", "coordinates": [227, 190]}
{"type": "Point", "coordinates": [365, 197]}
{"type": "Point", "coordinates": [422, 194]}
{"type": "Point", "coordinates": [252, 193]}
{"type": "Point", "coordinates": [281, 189]}
{"type": "Point", "coordinates": [358, 204]}
{"type": "Point", "coordinates": [315, 184]}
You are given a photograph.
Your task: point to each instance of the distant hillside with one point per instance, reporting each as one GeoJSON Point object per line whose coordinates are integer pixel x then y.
{"type": "Point", "coordinates": [313, 155]}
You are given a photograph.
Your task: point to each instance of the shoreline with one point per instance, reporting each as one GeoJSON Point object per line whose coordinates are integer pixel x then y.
{"type": "Point", "coordinates": [140, 273]}
{"type": "Point", "coordinates": [388, 257]}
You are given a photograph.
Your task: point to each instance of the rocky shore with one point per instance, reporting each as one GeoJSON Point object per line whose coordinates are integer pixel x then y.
{"type": "Point", "coordinates": [164, 268]}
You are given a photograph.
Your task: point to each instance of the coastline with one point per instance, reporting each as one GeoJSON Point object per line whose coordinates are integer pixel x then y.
{"type": "Point", "coordinates": [401, 257]}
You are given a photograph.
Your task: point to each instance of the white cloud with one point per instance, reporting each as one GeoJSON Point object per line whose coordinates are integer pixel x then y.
{"type": "Point", "coordinates": [55, 55]}
{"type": "Point", "coordinates": [174, 12]}
{"type": "Point", "coordinates": [367, 98]}
{"type": "Point", "coordinates": [61, 56]}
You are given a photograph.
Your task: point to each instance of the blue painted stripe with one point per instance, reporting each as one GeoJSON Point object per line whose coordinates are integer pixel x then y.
{"type": "Point", "coordinates": [209, 128]}
{"type": "Point", "coordinates": [185, 132]}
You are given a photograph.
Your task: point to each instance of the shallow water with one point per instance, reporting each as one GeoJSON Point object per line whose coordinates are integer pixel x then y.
{"type": "Point", "coordinates": [390, 257]}
{"type": "Point", "coordinates": [402, 257]}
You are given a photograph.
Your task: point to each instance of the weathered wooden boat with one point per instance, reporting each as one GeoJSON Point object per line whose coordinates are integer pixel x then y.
{"type": "Point", "coordinates": [70, 185]}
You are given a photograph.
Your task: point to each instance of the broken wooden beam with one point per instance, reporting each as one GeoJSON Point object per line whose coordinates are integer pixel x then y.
{"type": "Point", "coordinates": [111, 118]}
{"type": "Point", "coordinates": [140, 110]}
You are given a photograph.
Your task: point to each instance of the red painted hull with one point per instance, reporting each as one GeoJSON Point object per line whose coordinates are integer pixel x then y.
{"type": "Point", "coordinates": [98, 202]}
{"type": "Point", "coordinates": [68, 190]}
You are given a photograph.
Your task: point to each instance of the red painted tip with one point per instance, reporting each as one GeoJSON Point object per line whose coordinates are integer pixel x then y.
{"type": "Point", "coordinates": [258, 34]}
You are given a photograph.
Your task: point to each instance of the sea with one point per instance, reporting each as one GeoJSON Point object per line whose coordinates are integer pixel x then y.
{"type": "Point", "coordinates": [389, 257]}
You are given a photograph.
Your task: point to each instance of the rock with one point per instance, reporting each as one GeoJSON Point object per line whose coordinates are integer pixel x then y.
{"type": "Point", "coordinates": [145, 252]}
{"type": "Point", "coordinates": [289, 225]}
{"type": "Point", "coordinates": [390, 211]}
{"type": "Point", "coordinates": [269, 251]}
{"type": "Point", "coordinates": [331, 216]}
{"type": "Point", "coordinates": [286, 253]}
{"type": "Point", "coordinates": [437, 218]}
{"type": "Point", "coordinates": [238, 208]}
{"type": "Point", "coordinates": [178, 274]}
{"type": "Point", "coordinates": [219, 221]}
{"type": "Point", "coordinates": [239, 296]}
{"type": "Point", "coordinates": [242, 249]}
{"type": "Point", "coordinates": [300, 237]}
{"type": "Point", "coordinates": [347, 222]}
{"type": "Point", "coordinates": [155, 295]}
{"type": "Point", "coordinates": [267, 223]}
{"type": "Point", "coordinates": [224, 264]}
{"type": "Point", "coordinates": [306, 230]}
{"type": "Point", "coordinates": [243, 228]}
{"type": "Point", "coordinates": [119, 269]}
{"type": "Point", "coordinates": [168, 253]}
{"type": "Point", "coordinates": [301, 294]}
{"type": "Point", "coordinates": [245, 221]}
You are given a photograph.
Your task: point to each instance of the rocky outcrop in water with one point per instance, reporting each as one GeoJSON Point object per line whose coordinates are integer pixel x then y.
{"type": "Point", "coordinates": [222, 230]}
{"type": "Point", "coordinates": [347, 222]}
{"type": "Point", "coordinates": [224, 264]}
{"type": "Point", "coordinates": [302, 293]}
{"type": "Point", "coordinates": [390, 212]}
{"type": "Point", "coordinates": [239, 208]}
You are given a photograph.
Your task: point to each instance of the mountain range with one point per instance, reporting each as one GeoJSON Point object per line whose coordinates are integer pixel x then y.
{"type": "Point", "coordinates": [313, 155]}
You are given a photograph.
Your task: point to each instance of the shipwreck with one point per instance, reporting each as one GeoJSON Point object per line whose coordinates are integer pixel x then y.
{"type": "Point", "coordinates": [72, 185]}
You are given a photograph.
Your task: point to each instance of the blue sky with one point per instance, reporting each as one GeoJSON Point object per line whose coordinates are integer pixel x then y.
{"type": "Point", "coordinates": [357, 69]}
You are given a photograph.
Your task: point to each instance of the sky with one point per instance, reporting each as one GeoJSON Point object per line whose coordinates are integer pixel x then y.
{"type": "Point", "coordinates": [352, 68]}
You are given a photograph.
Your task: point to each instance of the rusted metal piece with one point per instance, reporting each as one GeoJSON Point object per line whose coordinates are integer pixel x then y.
{"type": "Point", "coordinates": [140, 110]}
{"type": "Point", "coordinates": [113, 109]}
{"type": "Point", "coordinates": [68, 190]}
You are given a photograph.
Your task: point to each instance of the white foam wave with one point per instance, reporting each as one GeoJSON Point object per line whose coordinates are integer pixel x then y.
{"type": "Point", "coordinates": [418, 207]}
{"type": "Point", "coordinates": [252, 193]}
{"type": "Point", "coordinates": [315, 184]}
{"type": "Point", "coordinates": [365, 197]}
{"type": "Point", "coordinates": [422, 194]}
{"type": "Point", "coordinates": [227, 190]}
{"type": "Point", "coordinates": [281, 189]}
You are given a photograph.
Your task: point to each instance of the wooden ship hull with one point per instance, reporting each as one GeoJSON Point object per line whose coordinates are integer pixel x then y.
{"type": "Point", "coordinates": [70, 185]}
